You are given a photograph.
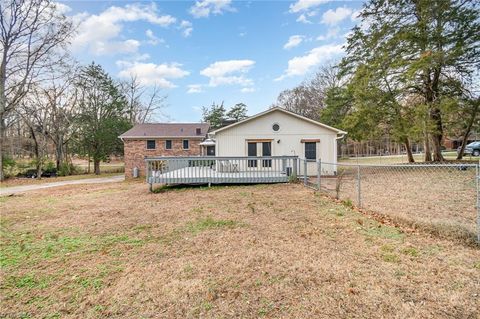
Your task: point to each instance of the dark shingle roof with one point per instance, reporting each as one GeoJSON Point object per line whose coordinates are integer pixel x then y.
{"type": "Point", "coordinates": [166, 130]}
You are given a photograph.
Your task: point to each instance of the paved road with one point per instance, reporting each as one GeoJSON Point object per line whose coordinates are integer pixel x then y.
{"type": "Point", "coordinates": [26, 188]}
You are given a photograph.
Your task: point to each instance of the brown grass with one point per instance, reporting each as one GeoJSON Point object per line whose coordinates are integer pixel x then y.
{"type": "Point", "coordinates": [439, 200]}
{"type": "Point", "coordinates": [279, 251]}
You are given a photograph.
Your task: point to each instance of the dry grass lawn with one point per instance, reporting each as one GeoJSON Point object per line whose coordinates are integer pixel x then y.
{"type": "Point", "coordinates": [273, 251]}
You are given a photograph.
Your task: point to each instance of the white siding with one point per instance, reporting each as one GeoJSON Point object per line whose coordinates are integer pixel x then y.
{"type": "Point", "coordinates": [287, 141]}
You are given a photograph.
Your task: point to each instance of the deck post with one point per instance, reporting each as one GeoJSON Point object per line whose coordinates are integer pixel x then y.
{"type": "Point", "coordinates": [294, 168]}
{"type": "Point", "coordinates": [305, 177]}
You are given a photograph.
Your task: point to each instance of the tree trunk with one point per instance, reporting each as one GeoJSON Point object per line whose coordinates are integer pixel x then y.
{"type": "Point", "coordinates": [426, 143]}
{"type": "Point", "coordinates": [96, 166]}
{"type": "Point", "coordinates": [409, 150]}
{"type": "Point", "coordinates": [468, 130]}
{"type": "Point", "coordinates": [59, 152]}
{"type": "Point", "coordinates": [2, 137]}
{"type": "Point", "coordinates": [437, 135]}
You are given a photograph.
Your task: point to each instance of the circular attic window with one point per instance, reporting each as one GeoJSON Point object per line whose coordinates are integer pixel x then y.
{"type": "Point", "coordinates": [276, 127]}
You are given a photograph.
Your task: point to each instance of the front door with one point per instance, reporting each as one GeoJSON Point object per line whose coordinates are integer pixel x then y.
{"type": "Point", "coordinates": [252, 151]}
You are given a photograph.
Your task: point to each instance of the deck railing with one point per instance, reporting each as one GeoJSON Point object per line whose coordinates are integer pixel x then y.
{"type": "Point", "coordinates": [221, 170]}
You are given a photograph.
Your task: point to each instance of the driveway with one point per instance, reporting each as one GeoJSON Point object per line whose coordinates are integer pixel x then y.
{"type": "Point", "coordinates": [26, 188]}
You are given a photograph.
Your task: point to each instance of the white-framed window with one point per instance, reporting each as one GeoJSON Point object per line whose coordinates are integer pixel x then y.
{"type": "Point", "coordinates": [186, 144]}
{"type": "Point", "coordinates": [168, 144]}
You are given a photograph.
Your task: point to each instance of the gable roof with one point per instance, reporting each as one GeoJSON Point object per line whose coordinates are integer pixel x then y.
{"type": "Point", "coordinates": [156, 130]}
{"type": "Point", "coordinates": [273, 109]}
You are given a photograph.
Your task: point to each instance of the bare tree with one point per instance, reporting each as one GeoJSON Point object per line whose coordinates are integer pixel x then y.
{"type": "Point", "coordinates": [32, 32]}
{"type": "Point", "coordinates": [144, 104]}
{"type": "Point", "coordinates": [308, 98]}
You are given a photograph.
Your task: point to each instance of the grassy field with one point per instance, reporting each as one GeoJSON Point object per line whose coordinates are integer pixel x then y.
{"type": "Point", "coordinates": [273, 251]}
{"type": "Point", "coordinates": [441, 200]}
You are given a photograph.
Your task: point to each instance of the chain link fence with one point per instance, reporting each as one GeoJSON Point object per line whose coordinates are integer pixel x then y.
{"type": "Point", "coordinates": [441, 198]}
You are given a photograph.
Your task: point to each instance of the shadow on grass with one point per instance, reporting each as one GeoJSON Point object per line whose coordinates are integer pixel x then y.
{"type": "Point", "coordinates": [185, 187]}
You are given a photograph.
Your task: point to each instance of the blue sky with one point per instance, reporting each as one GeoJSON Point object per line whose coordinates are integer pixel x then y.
{"type": "Point", "coordinates": [212, 50]}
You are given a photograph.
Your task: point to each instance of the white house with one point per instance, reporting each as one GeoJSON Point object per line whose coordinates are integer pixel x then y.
{"type": "Point", "coordinates": [278, 132]}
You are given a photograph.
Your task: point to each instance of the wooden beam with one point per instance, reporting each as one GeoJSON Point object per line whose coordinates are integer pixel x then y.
{"type": "Point", "coordinates": [310, 140]}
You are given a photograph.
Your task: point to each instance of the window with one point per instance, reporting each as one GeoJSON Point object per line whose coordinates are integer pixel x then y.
{"type": "Point", "coordinates": [276, 127]}
{"type": "Point", "coordinates": [310, 150]}
{"type": "Point", "coordinates": [150, 144]}
{"type": "Point", "coordinates": [168, 144]}
{"type": "Point", "coordinates": [267, 151]}
{"type": "Point", "coordinates": [199, 131]}
{"type": "Point", "coordinates": [252, 151]}
{"type": "Point", "coordinates": [185, 145]}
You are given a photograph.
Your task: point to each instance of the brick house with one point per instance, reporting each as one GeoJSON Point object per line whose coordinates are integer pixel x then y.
{"type": "Point", "coordinates": [162, 139]}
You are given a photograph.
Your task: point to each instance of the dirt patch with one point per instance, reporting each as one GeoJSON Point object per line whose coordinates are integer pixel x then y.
{"type": "Point", "coordinates": [116, 250]}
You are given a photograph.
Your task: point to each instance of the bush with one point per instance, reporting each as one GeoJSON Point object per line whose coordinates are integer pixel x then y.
{"type": "Point", "coordinates": [50, 167]}
{"type": "Point", "coordinates": [66, 169]}
{"type": "Point", "coordinates": [9, 166]}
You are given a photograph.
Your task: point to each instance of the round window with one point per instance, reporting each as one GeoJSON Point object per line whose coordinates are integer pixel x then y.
{"type": "Point", "coordinates": [276, 127]}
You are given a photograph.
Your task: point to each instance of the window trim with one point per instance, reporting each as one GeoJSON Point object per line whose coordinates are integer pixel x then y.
{"type": "Point", "coordinates": [151, 149]}
{"type": "Point", "coordinates": [183, 145]}
{"type": "Point", "coordinates": [171, 145]}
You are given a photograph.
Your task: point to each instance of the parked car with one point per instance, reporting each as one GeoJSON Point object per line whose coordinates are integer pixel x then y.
{"type": "Point", "coordinates": [471, 149]}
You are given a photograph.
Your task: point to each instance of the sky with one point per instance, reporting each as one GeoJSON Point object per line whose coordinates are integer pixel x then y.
{"type": "Point", "coordinates": [206, 51]}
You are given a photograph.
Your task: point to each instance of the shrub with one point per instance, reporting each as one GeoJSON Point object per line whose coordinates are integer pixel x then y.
{"type": "Point", "coordinates": [9, 166]}
{"type": "Point", "coordinates": [66, 169]}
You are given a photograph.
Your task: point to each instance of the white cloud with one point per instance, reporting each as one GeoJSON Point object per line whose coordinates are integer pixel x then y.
{"type": "Point", "coordinates": [293, 41]}
{"type": "Point", "coordinates": [203, 8]}
{"type": "Point", "coordinates": [303, 19]}
{"type": "Point", "coordinates": [152, 38]}
{"type": "Point", "coordinates": [62, 8]}
{"type": "Point", "coordinates": [331, 33]}
{"type": "Point", "coordinates": [194, 88]}
{"type": "Point", "coordinates": [151, 73]}
{"type": "Point", "coordinates": [302, 64]}
{"type": "Point", "coordinates": [333, 17]}
{"type": "Point", "coordinates": [247, 90]}
{"type": "Point", "coordinates": [186, 27]}
{"type": "Point", "coordinates": [100, 34]}
{"type": "Point", "coordinates": [304, 5]}
{"type": "Point", "coordinates": [228, 72]}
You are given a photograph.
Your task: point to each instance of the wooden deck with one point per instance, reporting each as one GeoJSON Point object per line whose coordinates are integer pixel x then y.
{"type": "Point", "coordinates": [220, 170]}
{"type": "Point", "coordinates": [207, 175]}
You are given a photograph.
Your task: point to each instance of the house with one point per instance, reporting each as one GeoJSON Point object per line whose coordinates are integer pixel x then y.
{"type": "Point", "coordinates": [278, 132]}
{"type": "Point", "coordinates": [163, 139]}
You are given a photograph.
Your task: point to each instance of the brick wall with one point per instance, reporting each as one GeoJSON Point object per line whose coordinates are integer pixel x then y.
{"type": "Point", "coordinates": [136, 150]}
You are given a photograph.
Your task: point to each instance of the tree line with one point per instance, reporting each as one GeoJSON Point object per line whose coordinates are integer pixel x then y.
{"type": "Point", "coordinates": [411, 71]}
{"type": "Point", "coordinates": [47, 99]}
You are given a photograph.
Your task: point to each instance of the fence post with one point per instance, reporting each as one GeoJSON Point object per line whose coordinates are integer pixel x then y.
{"type": "Point", "coordinates": [359, 187]}
{"type": "Point", "coordinates": [305, 172]}
{"type": "Point", "coordinates": [319, 174]}
{"type": "Point", "coordinates": [477, 177]}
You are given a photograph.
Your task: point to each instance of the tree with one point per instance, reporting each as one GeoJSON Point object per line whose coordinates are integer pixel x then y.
{"type": "Point", "coordinates": [32, 32]}
{"type": "Point", "coordinates": [238, 112]}
{"type": "Point", "coordinates": [144, 104]}
{"type": "Point", "coordinates": [422, 47]}
{"type": "Point", "coordinates": [215, 115]}
{"type": "Point", "coordinates": [308, 98]}
{"type": "Point", "coordinates": [103, 114]}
